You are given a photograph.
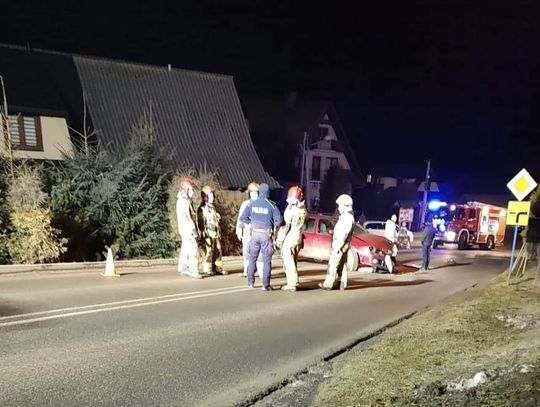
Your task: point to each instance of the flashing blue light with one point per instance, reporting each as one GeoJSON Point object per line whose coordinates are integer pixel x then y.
{"type": "Point", "coordinates": [435, 205]}
{"type": "Point", "coordinates": [442, 228]}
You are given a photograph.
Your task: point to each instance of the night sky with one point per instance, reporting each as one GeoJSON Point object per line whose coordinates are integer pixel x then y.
{"type": "Point", "coordinates": [448, 80]}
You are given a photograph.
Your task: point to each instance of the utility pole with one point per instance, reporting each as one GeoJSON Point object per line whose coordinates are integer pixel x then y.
{"type": "Point", "coordinates": [303, 164]}
{"type": "Point", "coordinates": [427, 184]}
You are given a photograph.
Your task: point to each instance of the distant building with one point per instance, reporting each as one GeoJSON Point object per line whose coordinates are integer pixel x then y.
{"type": "Point", "coordinates": [392, 187]}
{"type": "Point", "coordinates": [197, 115]}
{"type": "Point", "coordinates": [287, 133]}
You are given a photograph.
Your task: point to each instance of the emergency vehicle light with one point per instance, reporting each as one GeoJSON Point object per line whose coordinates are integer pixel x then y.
{"type": "Point", "coordinates": [435, 205]}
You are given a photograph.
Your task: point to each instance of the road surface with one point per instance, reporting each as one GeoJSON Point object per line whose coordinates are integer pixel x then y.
{"type": "Point", "coordinates": [153, 338]}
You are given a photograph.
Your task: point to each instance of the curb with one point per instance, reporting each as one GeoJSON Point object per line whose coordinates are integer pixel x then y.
{"type": "Point", "coordinates": [82, 267]}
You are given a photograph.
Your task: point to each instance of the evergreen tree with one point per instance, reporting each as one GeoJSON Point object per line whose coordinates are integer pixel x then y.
{"type": "Point", "coordinates": [116, 199]}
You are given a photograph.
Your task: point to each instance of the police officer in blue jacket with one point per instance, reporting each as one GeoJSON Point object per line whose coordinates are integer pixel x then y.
{"type": "Point", "coordinates": [264, 218]}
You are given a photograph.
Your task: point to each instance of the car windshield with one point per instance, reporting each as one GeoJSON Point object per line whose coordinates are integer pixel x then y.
{"type": "Point", "coordinates": [443, 213]}
{"type": "Point", "coordinates": [359, 229]}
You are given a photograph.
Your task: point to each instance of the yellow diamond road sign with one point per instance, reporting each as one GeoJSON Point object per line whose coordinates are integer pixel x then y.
{"type": "Point", "coordinates": [518, 213]}
{"type": "Point", "coordinates": [522, 184]}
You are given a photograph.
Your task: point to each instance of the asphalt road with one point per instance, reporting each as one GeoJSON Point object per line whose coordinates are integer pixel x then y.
{"type": "Point", "coordinates": [152, 337]}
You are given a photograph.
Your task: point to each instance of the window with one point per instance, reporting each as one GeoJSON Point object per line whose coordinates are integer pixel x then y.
{"type": "Point", "coordinates": [375, 225]}
{"type": "Point", "coordinates": [472, 213]}
{"type": "Point", "coordinates": [460, 214]}
{"type": "Point", "coordinates": [323, 132]}
{"type": "Point", "coordinates": [331, 162]}
{"type": "Point", "coordinates": [26, 133]}
{"type": "Point", "coordinates": [359, 230]}
{"type": "Point", "coordinates": [316, 168]}
{"type": "Point", "coordinates": [309, 225]}
{"type": "Point", "coordinates": [325, 226]}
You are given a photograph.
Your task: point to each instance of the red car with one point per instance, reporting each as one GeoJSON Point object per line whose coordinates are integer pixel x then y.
{"type": "Point", "coordinates": [367, 250]}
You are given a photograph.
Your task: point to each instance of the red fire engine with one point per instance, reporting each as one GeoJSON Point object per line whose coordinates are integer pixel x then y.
{"type": "Point", "coordinates": [473, 223]}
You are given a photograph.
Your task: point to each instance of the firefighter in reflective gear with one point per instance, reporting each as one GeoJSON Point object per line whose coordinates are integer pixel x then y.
{"type": "Point", "coordinates": [340, 244]}
{"type": "Point", "coordinates": [264, 218]}
{"type": "Point", "coordinates": [188, 261]}
{"type": "Point", "coordinates": [391, 233]}
{"type": "Point", "coordinates": [243, 231]}
{"type": "Point", "coordinates": [290, 236]}
{"type": "Point", "coordinates": [208, 221]}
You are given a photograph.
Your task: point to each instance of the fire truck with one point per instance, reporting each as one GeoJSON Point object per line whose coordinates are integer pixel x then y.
{"type": "Point", "coordinates": [471, 224]}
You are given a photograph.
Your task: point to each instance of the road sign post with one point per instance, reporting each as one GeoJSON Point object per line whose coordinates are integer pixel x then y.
{"type": "Point", "coordinates": [514, 240]}
{"type": "Point", "coordinates": [518, 212]}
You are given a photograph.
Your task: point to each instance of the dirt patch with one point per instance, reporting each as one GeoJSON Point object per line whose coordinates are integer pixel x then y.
{"type": "Point", "coordinates": [404, 269]}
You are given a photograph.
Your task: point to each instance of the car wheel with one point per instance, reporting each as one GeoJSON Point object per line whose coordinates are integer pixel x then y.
{"type": "Point", "coordinates": [462, 241]}
{"type": "Point", "coordinates": [436, 244]}
{"type": "Point", "coordinates": [352, 260]}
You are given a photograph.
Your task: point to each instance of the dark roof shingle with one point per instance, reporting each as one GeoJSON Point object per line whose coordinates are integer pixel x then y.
{"type": "Point", "coordinates": [198, 115]}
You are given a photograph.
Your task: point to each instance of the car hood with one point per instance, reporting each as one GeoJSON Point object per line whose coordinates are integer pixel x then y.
{"type": "Point", "coordinates": [378, 242]}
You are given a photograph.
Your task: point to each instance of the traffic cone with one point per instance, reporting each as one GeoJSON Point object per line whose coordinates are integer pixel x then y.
{"type": "Point", "coordinates": [110, 270]}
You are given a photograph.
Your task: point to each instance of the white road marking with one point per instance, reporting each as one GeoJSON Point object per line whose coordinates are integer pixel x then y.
{"type": "Point", "coordinates": [111, 306]}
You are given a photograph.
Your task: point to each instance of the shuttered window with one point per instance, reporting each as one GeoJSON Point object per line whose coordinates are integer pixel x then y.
{"type": "Point", "coordinates": [26, 133]}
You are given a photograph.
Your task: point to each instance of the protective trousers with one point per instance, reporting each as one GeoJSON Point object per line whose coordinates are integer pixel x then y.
{"type": "Point", "coordinates": [260, 243]}
{"type": "Point", "coordinates": [189, 256]}
{"type": "Point", "coordinates": [337, 261]}
{"type": "Point", "coordinates": [290, 259]}
{"type": "Point", "coordinates": [245, 253]}
{"type": "Point", "coordinates": [212, 255]}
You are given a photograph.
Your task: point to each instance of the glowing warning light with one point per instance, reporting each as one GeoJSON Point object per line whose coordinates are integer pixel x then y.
{"type": "Point", "coordinates": [435, 205]}
{"type": "Point", "coordinates": [452, 207]}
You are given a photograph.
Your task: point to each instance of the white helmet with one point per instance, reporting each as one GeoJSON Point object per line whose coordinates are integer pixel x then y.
{"type": "Point", "coordinates": [344, 200]}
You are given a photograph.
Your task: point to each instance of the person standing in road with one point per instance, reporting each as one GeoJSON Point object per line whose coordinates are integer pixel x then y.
{"type": "Point", "coordinates": [264, 218]}
{"type": "Point", "coordinates": [243, 232]}
{"type": "Point", "coordinates": [342, 236]}
{"type": "Point", "coordinates": [208, 221]}
{"type": "Point", "coordinates": [428, 235]}
{"type": "Point", "coordinates": [290, 236]}
{"type": "Point", "coordinates": [391, 233]}
{"type": "Point", "coordinates": [188, 261]}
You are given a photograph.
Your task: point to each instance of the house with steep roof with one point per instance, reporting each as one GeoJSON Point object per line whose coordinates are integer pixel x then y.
{"type": "Point", "coordinates": [198, 115]}
{"type": "Point", "coordinates": [302, 142]}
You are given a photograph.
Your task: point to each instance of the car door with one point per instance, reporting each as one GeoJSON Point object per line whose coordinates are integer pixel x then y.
{"type": "Point", "coordinates": [325, 228]}
{"type": "Point", "coordinates": [310, 237]}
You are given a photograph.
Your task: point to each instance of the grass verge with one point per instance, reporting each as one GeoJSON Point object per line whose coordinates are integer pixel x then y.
{"type": "Point", "coordinates": [495, 330]}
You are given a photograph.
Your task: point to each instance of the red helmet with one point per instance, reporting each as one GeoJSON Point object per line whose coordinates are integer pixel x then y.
{"type": "Point", "coordinates": [296, 192]}
{"type": "Point", "coordinates": [185, 183]}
